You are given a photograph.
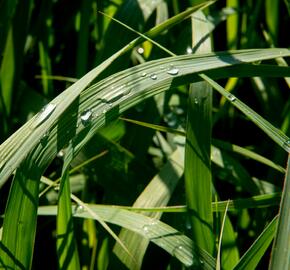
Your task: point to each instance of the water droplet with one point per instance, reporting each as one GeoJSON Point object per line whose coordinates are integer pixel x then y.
{"type": "Point", "coordinates": [162, 67]}
{"type": "Point", "coordinates": [140, 50]}
{"type": "Point", "coordinates": [145, 229]}
{"type": "Point", "coordinates": [144, 74]}
{"type": "Point", "coordinates": [231, 97]}
{"type": "Point", "coordinates": [201, 262]}
{"type": "Point", "coordinates": [86, 117]}
{"type": "Point", "coordinates": [79, 209]}
{"type": "Point", "coordinates": [189, 50]}
{"type": "Point", "coordinates": [153, 76]}
{"type": "Point", "coordinates": [60, 154]}
{"type": "Point", "coordinates": [44, 138]}
{"type": "Point", "coordinates": [195, 101]}
{"type": "Point", "coordinates": [44, 114]}
{"type": "Point", "coordinates": [173, 71]}
{"type": "Point", "coordinates": [127, 91]}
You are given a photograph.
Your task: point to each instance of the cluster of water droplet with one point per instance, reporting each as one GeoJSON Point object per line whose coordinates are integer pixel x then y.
{"type": "Point", "coordinates": [171, 70]}
{"type": "Point", "coordinates": [148, 229]}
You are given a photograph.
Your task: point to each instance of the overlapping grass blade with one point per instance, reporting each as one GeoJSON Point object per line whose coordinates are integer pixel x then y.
{"type": "Point", "coordinates": [97, 101]}
{"type": "Point", "coordinates": [161, 234]}
{"type": "Point", "coordinates": [20, 139]}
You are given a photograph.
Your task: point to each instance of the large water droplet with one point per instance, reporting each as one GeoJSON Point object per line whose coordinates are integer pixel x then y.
{"type": "Point", "coordinates": [86, 117]}
{"type": "Point", "coordinates": [153, 76]}
{"type": "Point", "coordinates": [44, 114]}
{"type": "Point", "coordinates": [231, 97]}
{"type": "Point", "coordinates": [173, 71]}
{"type": "Point", "coordinates": [144, 74]}
{"type": "Point", "coordinates": [79, 209]}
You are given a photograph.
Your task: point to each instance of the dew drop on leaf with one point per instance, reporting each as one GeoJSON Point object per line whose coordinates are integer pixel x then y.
{"type": "Point", "coordinates": [173, 71]}
{"type": "Point", "coordinates": [127, 91]}
{"type": "Point", "coordinates": [86, 117]}
{"type": "Point", "coordinates": [231, 97]}
{"type": "Point", "coordinates": [153, 76]}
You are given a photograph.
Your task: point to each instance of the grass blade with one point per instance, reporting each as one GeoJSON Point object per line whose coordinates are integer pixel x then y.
{"type": "Point", "coordinates": [275, 134]}
{"type": "Point", "coordinates": [218, 261]}
{"type": "Point", "coordinates": [254, 254]}
{"type": "Point", "coordinates": [156, 194]}
{"type": "Point", "coordinates": [161, 234]}
{"type": "Point", "coordinates": [19, 225]}
{"type": "Point", "coordinates": [66, 244]}
{"type": "Point", "coordinates": [281, 252]}
{"type": "Point", "coordinates": [197, 165]}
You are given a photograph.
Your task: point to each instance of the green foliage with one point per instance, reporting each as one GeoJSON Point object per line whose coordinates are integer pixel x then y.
{"type": "Point", "coordinates": [140, 160]}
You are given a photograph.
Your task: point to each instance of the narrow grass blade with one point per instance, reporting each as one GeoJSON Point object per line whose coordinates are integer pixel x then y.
{"type": "Point", "coordinates": [218, 261]}
{"type": "Point", "coordinates": [217, 143]}
{"type": "Point", "coordinates": [163, 235]}
{"type": "Point", "coordinates": [257, 250]}
{"type": "Point", "coordinates": [156, 194]}
{"type": "Point", "coordinates": [68, 257]}
{"type": "Point", "coordinates": [281, 252]}
{"type": "Point", "coordinates": [197, 165]}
